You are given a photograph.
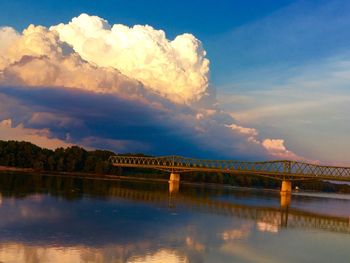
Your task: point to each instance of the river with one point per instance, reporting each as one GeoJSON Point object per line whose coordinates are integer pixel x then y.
{"type": "Point", "coordinates": [64, 219]}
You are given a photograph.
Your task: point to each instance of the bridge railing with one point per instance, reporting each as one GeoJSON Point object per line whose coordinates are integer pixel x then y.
{"type": "Point", "coordinates": [282, 167]}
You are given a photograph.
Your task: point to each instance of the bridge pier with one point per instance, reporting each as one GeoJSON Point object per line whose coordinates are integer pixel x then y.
{"type": "Point", "coordinates": [174, 183]}
{"type": "Point", "coordinates": [286, 193]}
{"type": "Point", "coordinates": [174, 177]}
{"type": "Point", "coordinates": [286, 187]}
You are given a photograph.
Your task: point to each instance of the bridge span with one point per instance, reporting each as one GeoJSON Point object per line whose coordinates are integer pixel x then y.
{"type": "Point", "coordinates": [283, 170]}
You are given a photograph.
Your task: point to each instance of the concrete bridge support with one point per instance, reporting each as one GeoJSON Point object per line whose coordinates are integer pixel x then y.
{"type": "Point", "coordinates": [286, 193]}
{"type": "Point", "coordinates": [174, 177]}
{"type": "Point", "coordinates": [286, 187]}
{"type": "Point", "coordinates": [174, 183]}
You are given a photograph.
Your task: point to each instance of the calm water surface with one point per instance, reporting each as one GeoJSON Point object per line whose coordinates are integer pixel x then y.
{"type": "Point", "coordinates": [55, 219]}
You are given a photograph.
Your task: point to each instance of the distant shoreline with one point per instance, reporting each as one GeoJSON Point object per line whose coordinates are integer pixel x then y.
{"type": "Point", "coordinates": [121, 177]}
{"type": "Point", "coordinates": [15, 169]}
{"type": "Point", "coordinates": [79, 175]}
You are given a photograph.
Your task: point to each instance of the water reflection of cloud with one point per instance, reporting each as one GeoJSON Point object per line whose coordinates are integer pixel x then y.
{"type": "Point", "coordinates": [33, 208]}
{"type": "Point", "coordinates": [163, 255]}
{"type": "Point", "coordinates": [266, 227]}
{"type": "Point", "coordinates": [245, 253]}
{"type": "Point", "coordinates": [193, 244]}
{"type": "Point", "coordinates": [238, 233]}
{"type": "Point", "coordinates": [21, 253]}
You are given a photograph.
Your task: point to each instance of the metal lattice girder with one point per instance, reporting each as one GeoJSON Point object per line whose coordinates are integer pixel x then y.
{"type": "Point", "coordinates": [277, 169]}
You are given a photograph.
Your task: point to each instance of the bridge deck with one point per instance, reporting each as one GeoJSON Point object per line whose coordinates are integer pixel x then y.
{"type": "Point", "coordinates": [282, 169]}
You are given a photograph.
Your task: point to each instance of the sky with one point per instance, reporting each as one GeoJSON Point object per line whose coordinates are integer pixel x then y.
{"type": "Point", "coordinates": [245, 80]}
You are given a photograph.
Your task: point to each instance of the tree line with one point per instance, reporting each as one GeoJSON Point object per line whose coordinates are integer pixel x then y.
{"type": "Point", "coordinates": [71, 159]}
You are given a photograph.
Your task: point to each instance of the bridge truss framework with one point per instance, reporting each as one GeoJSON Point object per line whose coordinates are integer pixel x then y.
{"type": "Point", "coordinates": [280, 170]}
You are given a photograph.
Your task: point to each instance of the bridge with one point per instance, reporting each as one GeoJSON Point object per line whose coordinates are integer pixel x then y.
{"type": "Point", "coordinates": [283, 170]}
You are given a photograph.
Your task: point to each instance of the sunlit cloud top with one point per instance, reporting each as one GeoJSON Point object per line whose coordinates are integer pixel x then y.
{"type": "Point", "coordinates": [176, 69]}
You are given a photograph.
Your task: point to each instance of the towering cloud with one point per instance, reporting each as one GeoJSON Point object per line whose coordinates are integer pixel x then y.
{"type": "Point", "coordinates": [126, 89]}
{"type": "Point", "coordinates": [7, 36]}
{"type": "Point", "coordinates": [175, 69]}
{"type": "Point", "coordinates": [39, 58]}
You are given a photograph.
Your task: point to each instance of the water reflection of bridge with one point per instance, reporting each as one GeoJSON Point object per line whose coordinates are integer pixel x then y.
{"type": "Point", "coordinates": [282, 217]}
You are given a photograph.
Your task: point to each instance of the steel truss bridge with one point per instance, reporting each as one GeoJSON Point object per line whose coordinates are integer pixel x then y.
{"type": "Point", "coordinates": [280, 170]}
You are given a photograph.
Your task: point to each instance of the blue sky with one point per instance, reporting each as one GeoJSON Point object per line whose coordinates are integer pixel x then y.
{"type": "Point", "coordinates": [202, 18]}
{"type": "Point", "coordinates": [280, 67]}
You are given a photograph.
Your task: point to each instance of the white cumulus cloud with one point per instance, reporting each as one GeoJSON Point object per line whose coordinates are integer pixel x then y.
{"type": "Point", "coordinates": [251, 133]}
{"type": "Point", "coordinates": [277, 149]}
{"type": "Point", "coordinates": [175, 69]}
{"type": "Point", "coordinates": [7, 36]}
{"type": "Point", "coordinates": [38, 58]}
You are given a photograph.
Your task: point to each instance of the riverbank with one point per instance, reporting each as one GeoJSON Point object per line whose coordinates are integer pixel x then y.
{"type": "Point", "coordinates": [80, 175]}
{"type": "Point", "coordinates": [15, 169]}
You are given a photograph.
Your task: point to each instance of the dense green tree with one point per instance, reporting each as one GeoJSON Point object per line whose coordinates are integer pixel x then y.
{"type": "Point", "coordinates": [71, 159]}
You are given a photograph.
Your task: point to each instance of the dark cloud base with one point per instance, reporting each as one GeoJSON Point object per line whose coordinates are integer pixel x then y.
{"type": "Point", "coordinates": [107, 118]}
